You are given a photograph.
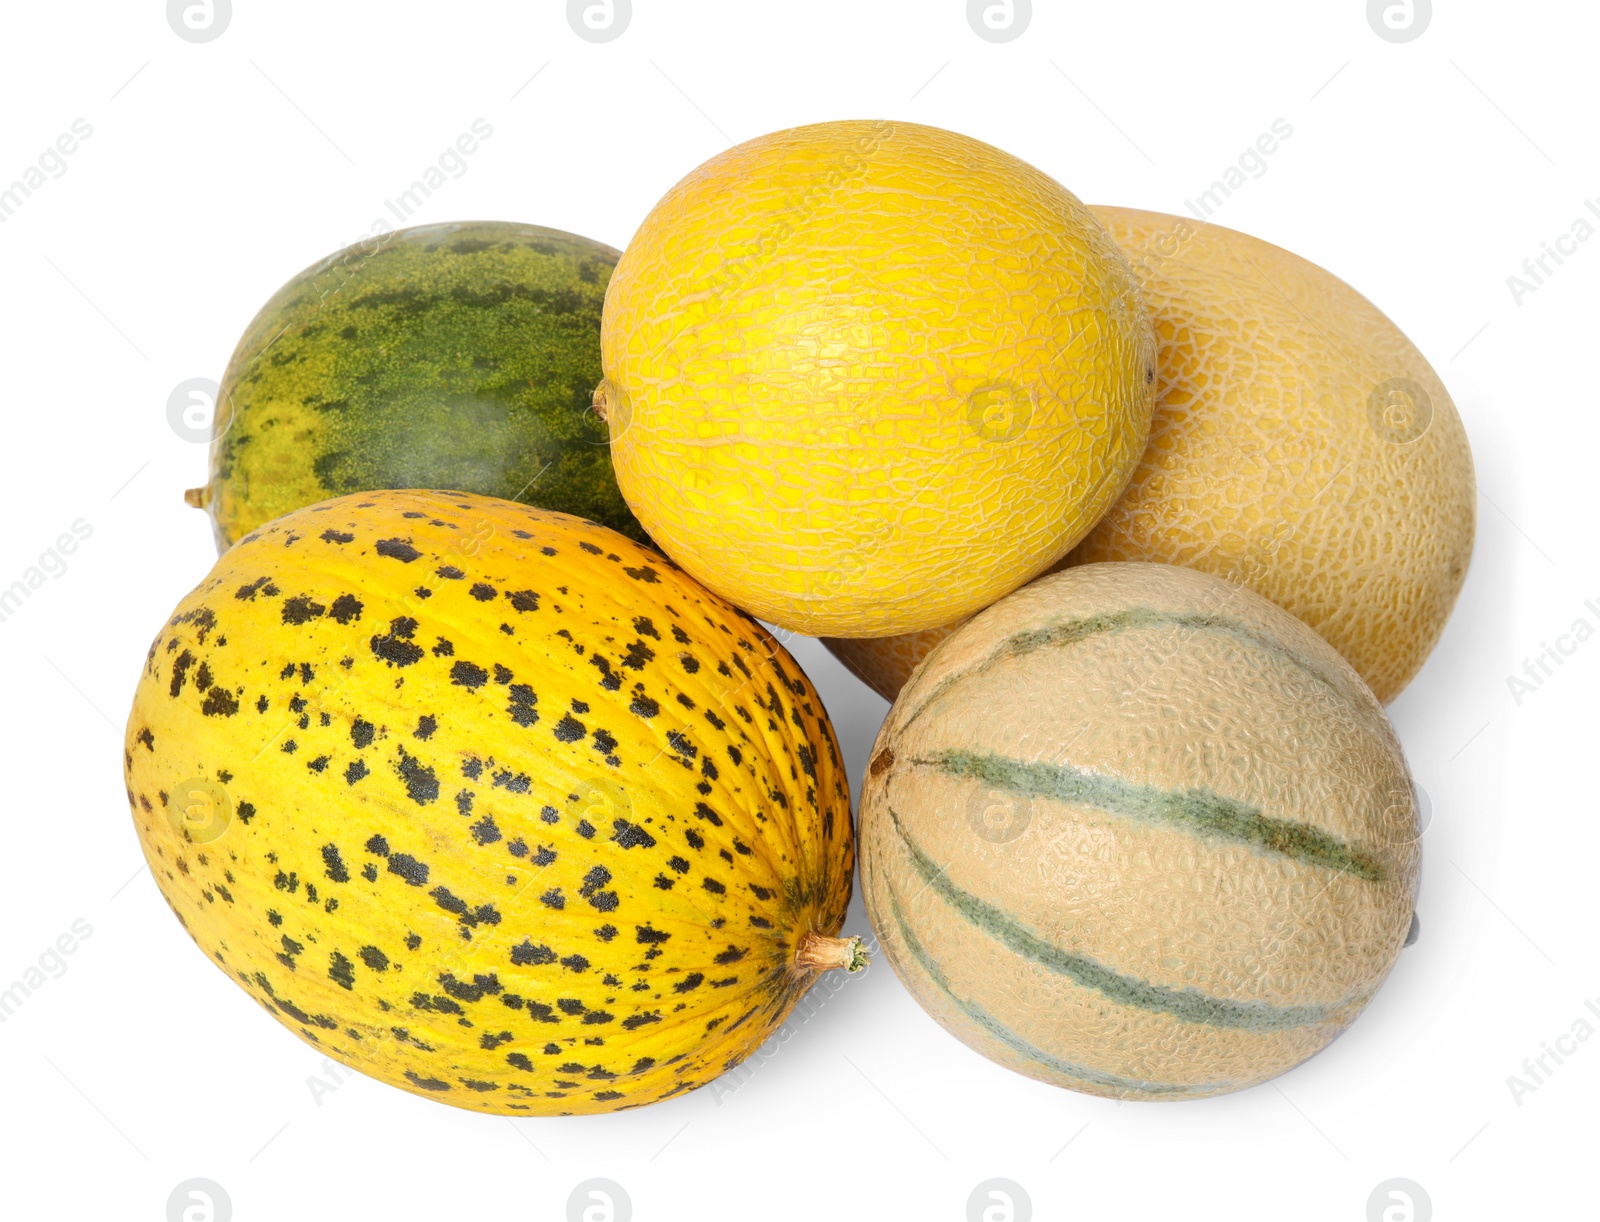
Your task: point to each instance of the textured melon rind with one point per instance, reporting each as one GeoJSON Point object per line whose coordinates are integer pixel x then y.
{"type": "Point", "coordinates": [460, 355]}
{"type": "Point", "coordinates": [1274, 458]}
{"type": "Point", "coordinates": [865, 378]}
{"type": "Point", "coordinates": [513, 814]}
{"type": "Point", "coordinates": [1136, 831]}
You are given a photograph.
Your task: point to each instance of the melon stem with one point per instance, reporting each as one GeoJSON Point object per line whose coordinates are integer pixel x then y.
{"type": "Point", "coordinates": [198, 497]}
{"type": "Point", "coordinates": [818, 952]}
{"type": "Point", "coordinates": [601, 400]}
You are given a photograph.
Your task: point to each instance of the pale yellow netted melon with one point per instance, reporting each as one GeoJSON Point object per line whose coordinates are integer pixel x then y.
{"type": "Point", "coordinates": [1301, 446]}
{"type": "Point", "coordinates": [867, 377]}
{"type": "Point", "coordinates": [1136, 831]}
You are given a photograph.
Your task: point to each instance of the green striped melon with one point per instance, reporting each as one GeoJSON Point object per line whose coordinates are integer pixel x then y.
{"type": "Point", "coordinates": [1136, 831]}
{"type": "Point", "coordinates": [460, 355]}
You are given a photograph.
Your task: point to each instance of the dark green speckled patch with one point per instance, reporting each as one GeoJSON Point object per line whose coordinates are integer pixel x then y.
{"type": "Point", "coordinates": [459, 356]}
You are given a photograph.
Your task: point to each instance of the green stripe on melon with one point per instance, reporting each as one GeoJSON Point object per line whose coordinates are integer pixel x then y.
{"type": "Point", "coordinates": [460, 356]}
{"type": "Point", "coordinates": [1186, 1005]}
{"type": "Point", "coordinates": [1084, 628]}
{"type": "Point", "coordinates": [1198, 811]}
{"type": "Point", "coordinates": [1021, 1047]}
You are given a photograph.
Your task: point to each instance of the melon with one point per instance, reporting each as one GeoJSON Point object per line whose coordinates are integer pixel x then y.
{"type": "Point", "coordinates": [865, 378]}
{"type": "Point", "coordinates": [1301, 445]}
{"type": "Point", "coordinates": [460, 355]}
{"type": "Point", "coordinates": [885, 663]}
{"type": "Point", "coordinates": [490, 803]}
{"type": "Point", "coordinates": [1138, 832]}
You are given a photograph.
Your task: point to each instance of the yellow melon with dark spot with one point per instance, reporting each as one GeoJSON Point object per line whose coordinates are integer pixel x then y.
{"type": "Point", "coordinates": [865, 378]}
{"type": "Point", "coordinates": [490, 802]}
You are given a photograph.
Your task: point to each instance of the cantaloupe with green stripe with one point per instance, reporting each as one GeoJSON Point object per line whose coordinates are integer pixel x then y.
{"type": "Point", "coordinates": [1136, 831]}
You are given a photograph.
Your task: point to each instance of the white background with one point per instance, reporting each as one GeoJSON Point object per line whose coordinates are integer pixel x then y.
{"type": "Point", "coordinates": [1422, 173]}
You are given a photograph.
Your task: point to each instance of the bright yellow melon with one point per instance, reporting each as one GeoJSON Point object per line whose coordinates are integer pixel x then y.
{"type": "Point", "coordinates": [867, 377]}
{"type": "Point", "coordinates": [1139, 832]}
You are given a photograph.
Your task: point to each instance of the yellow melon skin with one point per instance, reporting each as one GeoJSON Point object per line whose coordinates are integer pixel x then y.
{"type": "Point", "coordinates": [1301, 446]}
{"type": "Point", "coordinates": [1138, 832]}
{"type": "Point", "coordinates": [864, 378]}
{"type": "Point", "coordinates": [489, 802]}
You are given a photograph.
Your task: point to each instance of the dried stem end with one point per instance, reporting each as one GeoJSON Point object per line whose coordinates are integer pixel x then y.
{"type": "Point", "coordinates": [819, 953]}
